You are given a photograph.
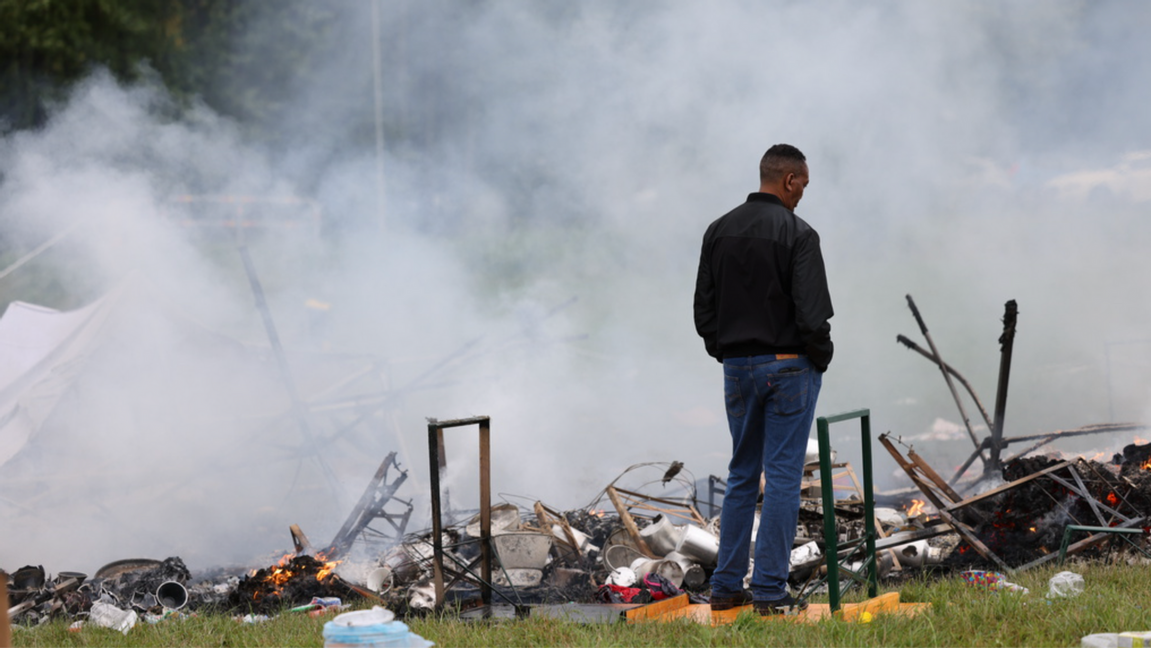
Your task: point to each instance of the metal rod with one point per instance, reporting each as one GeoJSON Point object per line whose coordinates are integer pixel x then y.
{"type": "Point", "coordinates": [1098, 533]}
{"type": "Point", "coordinates": [830, 534]}
{"type": "Point", "coordinates": [907, 342]}
{"type": "Point", "coordinates": [437, 541]}
{"type": "Point", "coordinates": [378, 94]}
{"type": "Point", "coordinates": [44, 246]}
{"type": "Point", "coordinates": [1006, 342]}
{"type": "Point", "coordinates": [869, 505]}
{"type": "Point", "coordinates": [966, 464]}
{"type": "Point", "coordinates": [486, 510]}
{"type": "Point", "coordinates": [946, 376]}
{"type": "Point", "coordinates": [436, 462]}
{"type": "Point", "coordinates": [299, 412]}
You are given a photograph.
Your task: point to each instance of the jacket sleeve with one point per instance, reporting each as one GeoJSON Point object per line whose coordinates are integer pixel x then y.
{"type": "Point", "coordinates": [812, 300]}
{"type": "Point", "coordinates": [706, 321]}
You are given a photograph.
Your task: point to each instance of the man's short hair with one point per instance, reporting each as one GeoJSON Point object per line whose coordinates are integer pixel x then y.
{"type": "Point", "coordinates": [780, 160]}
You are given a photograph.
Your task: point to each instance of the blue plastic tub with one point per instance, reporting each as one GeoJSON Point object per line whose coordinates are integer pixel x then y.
{"type": "Point", "coordinates": [382, 635]}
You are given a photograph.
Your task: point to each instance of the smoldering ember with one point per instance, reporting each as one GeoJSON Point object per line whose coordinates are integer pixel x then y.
{"type": "Point", "coordinates": [650, 534]}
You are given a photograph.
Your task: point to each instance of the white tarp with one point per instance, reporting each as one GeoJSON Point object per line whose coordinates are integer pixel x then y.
{"type": "Point", "coordinates": [41, 352]}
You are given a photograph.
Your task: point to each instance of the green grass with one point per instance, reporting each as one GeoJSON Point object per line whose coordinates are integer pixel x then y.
{"type": "Point", "coordinates": [1117, 599]}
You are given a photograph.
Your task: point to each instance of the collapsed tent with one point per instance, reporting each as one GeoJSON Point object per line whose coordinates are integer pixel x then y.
{"type": "Point", "coordinates": [125, 427]}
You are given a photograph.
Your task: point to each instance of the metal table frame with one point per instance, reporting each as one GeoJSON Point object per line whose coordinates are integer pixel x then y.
{"type": "Point", "coordinates": [830, 534]}
{"type": "Point", "coordinates": [436, 456]}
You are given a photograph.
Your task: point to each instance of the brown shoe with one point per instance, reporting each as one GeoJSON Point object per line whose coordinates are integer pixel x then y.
{"type": "Point", "coordinates": [728, 602]}
{"type": "Point", "coordinates": [785, 606]}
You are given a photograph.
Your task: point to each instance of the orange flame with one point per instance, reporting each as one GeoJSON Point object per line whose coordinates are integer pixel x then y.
{"type": "Point", "coordinates": [916, 508]}
{"type": "Point", "coordinates": [1146, 465]}
{"type": "Point", "coordinates": [283, 572]}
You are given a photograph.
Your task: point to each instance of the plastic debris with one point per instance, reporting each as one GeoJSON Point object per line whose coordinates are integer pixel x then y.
{"type": "Point", "coordinates": [994, 581]}
{"type": "Point", "coordinates": [107, 615]}
{"type": "Point", "coordinates": [374, 627]}
{"type": "Point", "coordinates": [1065, 585]}
{"type": "Point", "coordinates": [805, 553]}
{"type": "Point", "coordinates": [622, 576]}
{"type": "Point", "coordinates": [1117, 640]}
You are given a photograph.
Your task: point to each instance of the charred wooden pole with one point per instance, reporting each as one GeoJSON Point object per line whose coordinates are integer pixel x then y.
{"type": "Point", "coordinates": [946, 377]}
{"type": "Point", "coordinates": [1006, 342]}
{"type": "Point", "coordinates": [5, 628]}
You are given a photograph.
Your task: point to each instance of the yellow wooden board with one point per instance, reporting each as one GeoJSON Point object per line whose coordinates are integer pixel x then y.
{"type": "Point", "coordinates": [680, 608]}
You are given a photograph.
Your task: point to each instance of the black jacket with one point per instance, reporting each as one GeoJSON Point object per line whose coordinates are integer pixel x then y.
{"type": "Point", "coordinates": [762, 287]}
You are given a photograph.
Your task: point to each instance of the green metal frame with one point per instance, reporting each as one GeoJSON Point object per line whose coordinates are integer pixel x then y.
{"type": "Point", "coordinates": [830, 535]}
{"type": "Point", "coordinates": [1122, 531]}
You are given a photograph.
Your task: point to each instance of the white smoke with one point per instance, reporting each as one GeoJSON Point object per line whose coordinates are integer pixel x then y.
{"type": "Point", "coordinates": [555, 152]}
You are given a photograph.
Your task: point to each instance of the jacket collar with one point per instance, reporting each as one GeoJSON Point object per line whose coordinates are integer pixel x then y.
{"type": "Point", "coordinates": [764, 197]}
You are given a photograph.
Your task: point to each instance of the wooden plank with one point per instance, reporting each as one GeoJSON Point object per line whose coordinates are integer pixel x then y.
{"type": "Point", "coordinates": [639, 500]}
{"type": "Point", "coordinates": [1006, 487]}
{"type": "Point", "coordinates": [888, 602]}
{"type": "Point", "coordinates": [629, 523]}
{"type": "Point", "coordinates": [930, 473]}
{"type": "Point", "coordinates": [655, 610]}
{"type": "Point", "coordinates": [546, 522]}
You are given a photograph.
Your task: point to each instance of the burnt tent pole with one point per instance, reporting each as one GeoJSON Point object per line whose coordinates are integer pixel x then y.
{"type": "Point", "coordinates": [947, 378]}
{"type": "Point", "coordinates": [1006, 342]}
{"type": "Point", "coordinates": [298, 411]}
{"type": "Point", "coordinates": [902, 339]}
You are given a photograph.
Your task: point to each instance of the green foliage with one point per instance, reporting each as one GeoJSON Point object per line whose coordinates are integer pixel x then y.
{"type": "Point", "coordinates": [47, 44]}
{"type": "Point", "coordinates": [244, 59]}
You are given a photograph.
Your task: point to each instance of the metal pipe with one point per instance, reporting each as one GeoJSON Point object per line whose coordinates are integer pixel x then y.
{"type": "Point", "coordinates": [946, 376]}
{"type": "Point", "coordinates": [869, 505]}
{"type": "Point", "coordinates": [830, 534]}
{"type": "Point", "coordinates": [298, 410]}
{"type": "Point", "coordinates": [172, 595]}
{"type": "Point", "coordinates": [35, 253]}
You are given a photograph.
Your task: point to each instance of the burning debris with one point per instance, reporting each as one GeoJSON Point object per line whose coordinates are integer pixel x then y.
{"type": "Point", "coordinates": [650, 547]}
{"type": "Point", "coordinates": [293, 580]}
{"type": "Point", "coordinates": [1027, 519]}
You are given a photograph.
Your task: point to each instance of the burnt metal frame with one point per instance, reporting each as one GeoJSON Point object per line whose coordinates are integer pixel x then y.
{"type": "Point", "coordinates": [371, 506]}
{"type": "Point", "coordinates": [1098, 534]}
{"type": "Point", "coordinates": [712, 480]}
{"type": "Point", "coordinates": [947, 502]}
{"type": "Point", "coordinates": [437, 458]}
{"type": "Point", "coordinates": [827, 486]}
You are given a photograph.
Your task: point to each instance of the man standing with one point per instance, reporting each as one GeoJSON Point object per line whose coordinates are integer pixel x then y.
{"type": "Point", "coordinates": [761, 307]}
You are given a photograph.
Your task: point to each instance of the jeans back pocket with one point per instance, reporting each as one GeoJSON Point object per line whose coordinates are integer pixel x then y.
{"type": "Point", "coordinates": [789, 393]}
{"type": "Point", "coordinates": [732, 397]}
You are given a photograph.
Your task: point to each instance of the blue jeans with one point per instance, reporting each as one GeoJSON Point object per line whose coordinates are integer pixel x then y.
{"type": "Point", "coordinates": [770, 407]}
